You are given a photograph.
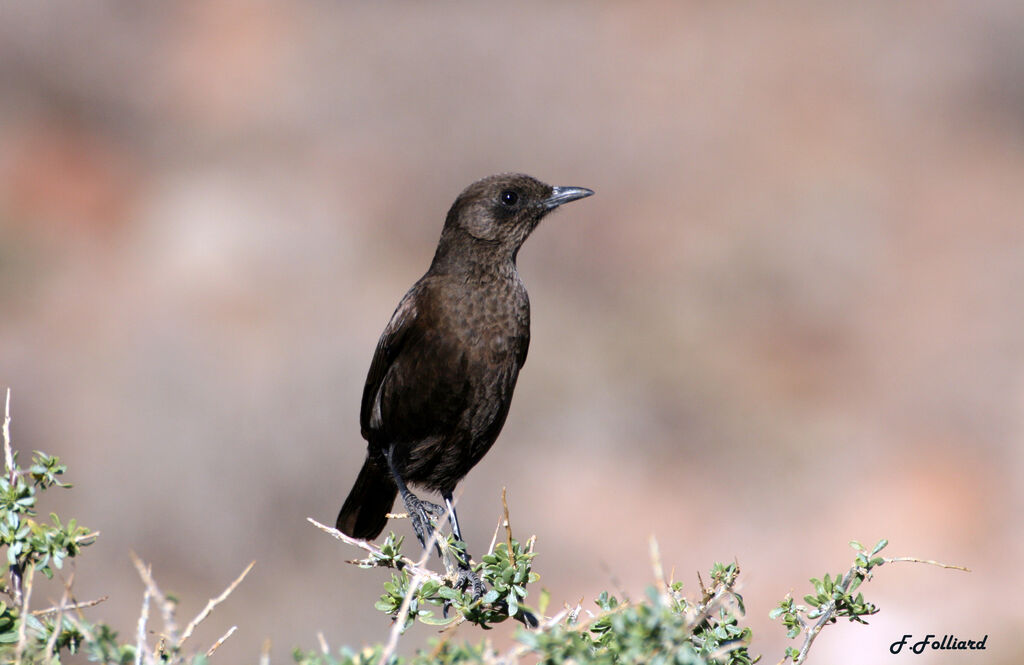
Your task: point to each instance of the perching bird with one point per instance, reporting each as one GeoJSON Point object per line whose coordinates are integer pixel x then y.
{"type": "Point", "coordinates": [441, 380]}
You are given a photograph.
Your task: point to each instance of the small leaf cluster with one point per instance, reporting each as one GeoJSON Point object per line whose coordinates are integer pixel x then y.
{"type": "Point", "coordinates": [389, 556]}
{"type": "Point", "coordinates": [506, 573]}
{"type": "Point", "coordinates": [668, 628]}
{"type": "Point", "coordinates": [833, 598]}
{"type": "Point", "coordinates": [441, 652]}
{"type": "Point", "coordinates": [28, 542]}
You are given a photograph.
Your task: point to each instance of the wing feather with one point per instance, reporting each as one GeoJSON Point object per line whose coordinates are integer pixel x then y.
{"type": "Point", "coordinates": [395, 336]}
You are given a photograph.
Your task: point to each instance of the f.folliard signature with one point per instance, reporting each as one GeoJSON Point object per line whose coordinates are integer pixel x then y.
{"type": "Point", "coordinates": [948, 642]}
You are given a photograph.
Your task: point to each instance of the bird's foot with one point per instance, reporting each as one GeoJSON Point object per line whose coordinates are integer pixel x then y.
{"type": "Point", "coordinates": [420, 513]}
{"type": "Point", "coordinates": [468, 580]}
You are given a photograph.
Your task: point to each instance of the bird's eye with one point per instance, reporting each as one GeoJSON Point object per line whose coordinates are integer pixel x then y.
{"type": "Point", "coordinates": [509, 197]}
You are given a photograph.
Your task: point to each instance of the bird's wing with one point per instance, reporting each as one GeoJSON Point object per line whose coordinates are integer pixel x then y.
{"type": "Point", "coordinates": [391, 342]}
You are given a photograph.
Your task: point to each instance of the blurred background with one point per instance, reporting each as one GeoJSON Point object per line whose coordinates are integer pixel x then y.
{"type": "Point", "coordinates": [792, 315]}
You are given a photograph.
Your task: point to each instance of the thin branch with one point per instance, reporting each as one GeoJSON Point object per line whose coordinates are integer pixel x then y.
{"type": "Point", "coordinates": [913, 559]}
{"type": "Point", "coordinates": [23, 625]}
{"type": "Point", "coordinates": [494, 538]}
{"type": "Point", "coordinates": [15, 570]}
{"type": "Point", "coordinates": [212, 603]}
{"type": "Point", "coordinates": [52, 642]}
{"type": "Point", "coordinates": [88, 538]}
{"type": "Point", "coordinates": [75, 606]}
{"type": "Point", "coordinates": [8, 453]}
{"type": "Point", "coordinates": [659, 570]}
{"type": "Point", "coordinates": [140, 631]}
{"type": "Point", "coordinates": [166, 605]}
{"type": "Point", "coordinates": [406, 563]}
{"type": "Point", "coordinates": [265, 652]}
{"type": "Point", "coordinates": [224, 637]}
{"type": "Point", "coordinates": [826, 616]}
{"type": "Point", "coordinates": [508, 529]}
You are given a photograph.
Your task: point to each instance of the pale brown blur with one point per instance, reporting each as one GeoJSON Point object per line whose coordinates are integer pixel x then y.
{"type": "Point", "coordinates": [792, 314]}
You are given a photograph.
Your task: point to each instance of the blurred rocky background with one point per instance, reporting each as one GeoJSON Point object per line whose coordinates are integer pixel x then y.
{"type": "Point", "coordinates": [792, 315]}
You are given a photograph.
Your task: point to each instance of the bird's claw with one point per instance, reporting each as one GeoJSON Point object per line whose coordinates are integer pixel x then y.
{"type": "Point", "coordinates": [468, 578]}
{"type": "Point", "coordinates": [420, 512]}
{"type": "Point", "coordinates": [436, 510]}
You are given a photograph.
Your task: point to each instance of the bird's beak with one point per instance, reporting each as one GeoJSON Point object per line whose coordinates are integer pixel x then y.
{"type": "Point", "coordinates": [560, 195]}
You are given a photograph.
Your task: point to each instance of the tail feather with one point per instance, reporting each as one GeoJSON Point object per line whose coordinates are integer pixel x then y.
{"type": "Point", "coordinates": [365, 511]}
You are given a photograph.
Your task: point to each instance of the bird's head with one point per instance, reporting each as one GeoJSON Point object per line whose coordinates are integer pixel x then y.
{"type": "Point", "coordinates": [501, 211]}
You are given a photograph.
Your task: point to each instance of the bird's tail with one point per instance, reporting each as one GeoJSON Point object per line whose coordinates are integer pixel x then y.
{"type": "Point", "coordinates": [365, 511]}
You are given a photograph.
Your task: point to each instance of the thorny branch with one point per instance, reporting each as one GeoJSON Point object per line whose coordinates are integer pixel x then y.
{"type": "Point", "coordinates": [167, 608]}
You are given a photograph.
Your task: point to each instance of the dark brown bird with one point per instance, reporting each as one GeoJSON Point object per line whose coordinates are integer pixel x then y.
{"type": "Point", "coordinates": [441, 380]}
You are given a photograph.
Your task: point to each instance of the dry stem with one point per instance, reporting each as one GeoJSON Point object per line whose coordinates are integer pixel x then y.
{"type": "Point", "coordinates": [224, 637]}
{"type": "Point", "coordinates": [166, 605]}
{"type": "Point", "coordinates": [23, 626]}
{"type": "Point", "coordinates": [212, 603]}
{"type": "Point", "coordinates": [73, 606]}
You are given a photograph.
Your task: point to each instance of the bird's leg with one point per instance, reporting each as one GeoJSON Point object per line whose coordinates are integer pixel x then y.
{"type": "Point", "coordinates": [466, 575]}
{"type": "Point", "coordinates": [456, 531]}
{"type": "Point", "coordinates": [419, 510]}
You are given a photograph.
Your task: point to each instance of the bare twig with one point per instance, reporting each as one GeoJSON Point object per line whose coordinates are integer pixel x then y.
{"type": "Point", "coordinates": [265, 652]}
{"type": "Point", "coordinates": [8, 453]}
{"type": "Point", "coordinates": [166, 605]}
{"type": "Point", "coordinates": [508, 529]}
{"type": "Point", "coordinates": [406, 563]}
{"type": "Point", "coordinates": [911, 559]}
{"type": "Point", "coordinates": [324, 648]}
{"type": "Point", "coordinates": [223, 638]}
{"type": "Point", "coordinates": [14, 569]}
{"type": "Point", "coordinates": [494, 538]}
{"type": "Point", "coordinates": [88, 538]}
{"type": "Point", "coordinates": [659, 571]}
{"type": "Point", "coordinates": [140, 631]}
{"type": "Point", "coordinates": [212, 603]}
{"type": "Point", "coordinates": [56, 609]}
{"type": "Point", "coordinates": [23, 625]}
{"type": "Point", "coordinates": [52, 642]}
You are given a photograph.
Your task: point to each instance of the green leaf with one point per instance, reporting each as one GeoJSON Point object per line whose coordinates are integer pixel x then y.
{"type": "Point", "coordinates": [448, 593]}
{"type": "Point", "coordinates": [431, 620]}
